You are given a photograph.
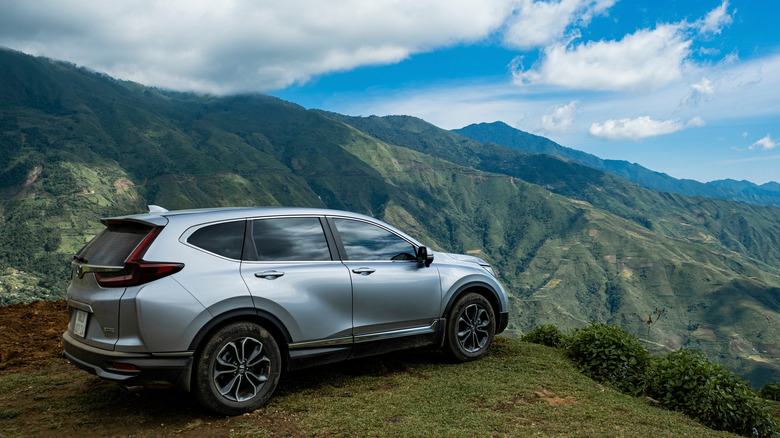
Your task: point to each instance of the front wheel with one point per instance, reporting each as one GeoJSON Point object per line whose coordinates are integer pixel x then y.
{"type": "Point", "coordinates": [471, 325]}
{"type": "Point", "coordinates": [237, 369]}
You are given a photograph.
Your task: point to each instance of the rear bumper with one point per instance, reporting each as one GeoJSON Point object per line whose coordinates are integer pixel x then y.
{"type": "Point", "coordinates": [151, 370]}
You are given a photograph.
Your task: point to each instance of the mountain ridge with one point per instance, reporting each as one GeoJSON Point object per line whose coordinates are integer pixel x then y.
{"type": "Point", "coordinates": [743, 191]}
{"type": "Point", "coordinates": [571, 243]}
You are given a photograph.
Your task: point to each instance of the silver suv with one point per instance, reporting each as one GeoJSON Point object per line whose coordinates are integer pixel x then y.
{"type": "Point", "coordinates": [220, 301]}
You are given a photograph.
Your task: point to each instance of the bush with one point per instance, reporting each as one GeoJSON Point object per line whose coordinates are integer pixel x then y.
{"type": "Point", "coordinates": [686, 381]}
{"type": "Point", "coordinates": [547, 334]}
{"type": "Point", "coordinates": [770, 391]}
{"type": "Point", "coordinates": [682, 380]}
{"type": "Point", "coordinates": [608, 354]}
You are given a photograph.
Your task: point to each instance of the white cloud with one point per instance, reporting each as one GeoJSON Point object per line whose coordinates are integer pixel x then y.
{"type": "Point", "coordinates": [704, 88]}
{"type": "Point", "coordinates": [242, 45]}
{"type": "Point", "coordinates": [714, 22]}
{"type": "Point", "coordinates": [744, 91]}
{"type": "Point", "coordinates": [765, 144]}
{"type": "Point", "coordinates": [696, 122]}
{"type": "Point", "coordinates": [646, 59]}
{"type": "Point", "coordinates": [560, 118]}
{"type": "Point", "coordinates": [538, 23]}
{"type": "Point", "coordinates": [635, 129]}
{"type": "Point", "coordinates": [701, 91]}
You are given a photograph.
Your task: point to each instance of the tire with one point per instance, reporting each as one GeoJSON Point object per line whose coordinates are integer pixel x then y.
{"type": "Point", "coordinates": [471, 325]}
{"type": "Point", "coordinates": [237, 369]}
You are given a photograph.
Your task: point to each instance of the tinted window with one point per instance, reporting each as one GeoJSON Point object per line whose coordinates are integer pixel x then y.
{"type": "Point", "coordinates": [114, 244]}
{"type": "Point", "coordinates": [364, 241]}
{"type": "Point", "coordinates": [288, 239]}
{"type": "Point", "coordinates": [225, 239]}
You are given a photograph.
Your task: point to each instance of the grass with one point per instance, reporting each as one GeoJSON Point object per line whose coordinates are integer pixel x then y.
{"type": "Point", "coordinates": [519, 389]}
{"type": "Point", "coordinates": [37, 383]}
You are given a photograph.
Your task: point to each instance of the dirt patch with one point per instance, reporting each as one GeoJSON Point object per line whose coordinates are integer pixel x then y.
{"type": "Point", "coordinates": [553, 399]}
{"type": "Point", "coordinates": [43, 395]}
{"type": "Point", "coordinates": [31, 334]}
{"type": "Point", "coordinates": [122, 184]}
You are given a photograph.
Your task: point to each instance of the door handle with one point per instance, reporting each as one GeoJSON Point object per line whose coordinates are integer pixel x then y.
{"type": "Point", "coordinates": [271, 275]}
{"type": "Point", "coordinates": [364, 271]}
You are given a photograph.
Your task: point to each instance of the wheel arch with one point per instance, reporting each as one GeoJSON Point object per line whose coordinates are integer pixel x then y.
{"type": "Point", "coordinates": [267, 320]}
{"type": "Point", "coordinates": [480, 288]}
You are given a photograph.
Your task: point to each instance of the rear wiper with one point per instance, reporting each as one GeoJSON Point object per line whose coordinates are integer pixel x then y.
{"type": "Point", "coordinates": [79, 258]}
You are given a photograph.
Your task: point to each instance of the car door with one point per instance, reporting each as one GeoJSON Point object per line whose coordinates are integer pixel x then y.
{"type": "Point", "coordinates": [392, 292]}
{"type": "Point", "coordinates": [292, 275]}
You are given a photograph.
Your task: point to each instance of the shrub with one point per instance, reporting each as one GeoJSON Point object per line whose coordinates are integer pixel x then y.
{"type": "Point", "coordinates": [770, 391]}
{"type": "Point", "coordinates": [608, 354]}
{"type": "Point", "coordinates": [547, 334]}
{"type": "Point", "coordinates": [686, 381]}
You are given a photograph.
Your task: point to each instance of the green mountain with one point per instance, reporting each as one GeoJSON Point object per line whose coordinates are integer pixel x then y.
{"type": "Point", "coordinates": [742, 191]}
{"type": "Point", "coordinates": [571, 243]}
{"type": "Point", "coordinates": [635, 250]}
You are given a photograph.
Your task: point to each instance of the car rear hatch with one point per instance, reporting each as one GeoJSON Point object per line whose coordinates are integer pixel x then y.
{"type": "Point", "coordinates": [102, 271]}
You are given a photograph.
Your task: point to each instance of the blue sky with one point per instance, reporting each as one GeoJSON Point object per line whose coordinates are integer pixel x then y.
{"type": "Point", "coordinates": [689, 88]}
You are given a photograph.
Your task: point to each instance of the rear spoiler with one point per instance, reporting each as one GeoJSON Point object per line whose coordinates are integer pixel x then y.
{"type": "Point", "coordinates": [154, 217]}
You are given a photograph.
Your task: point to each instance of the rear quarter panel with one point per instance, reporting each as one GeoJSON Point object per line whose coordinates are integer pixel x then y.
{"type": "Point", "coordinates": [172, 312]}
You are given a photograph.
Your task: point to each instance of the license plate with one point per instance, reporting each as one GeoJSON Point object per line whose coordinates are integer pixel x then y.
{"type": "Point", "coordinates": [80, 324]}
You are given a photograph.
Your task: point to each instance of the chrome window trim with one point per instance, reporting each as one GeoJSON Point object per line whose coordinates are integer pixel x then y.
{"type": "Point", "coordinates": [189, 231]}
{"type": "Point", "coordinates": [289, 262]}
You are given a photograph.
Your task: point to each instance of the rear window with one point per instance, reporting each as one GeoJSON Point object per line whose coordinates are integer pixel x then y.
{"type": "Point", "coordinates": [114, 245]}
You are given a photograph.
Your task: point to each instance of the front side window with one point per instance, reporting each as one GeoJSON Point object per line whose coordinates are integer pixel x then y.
{"type": "Point", "coordinates": [287, 239]}
{"type": "Point", "coordinates": [365, 241]}
{"type": "Point", "coordinates": [225, 239]}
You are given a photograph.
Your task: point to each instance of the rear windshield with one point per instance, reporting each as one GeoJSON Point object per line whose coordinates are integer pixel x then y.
{"type": "Point", "coordinates": [114, 244]}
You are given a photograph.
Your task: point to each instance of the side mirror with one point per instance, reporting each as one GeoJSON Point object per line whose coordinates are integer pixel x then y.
{"type": "Point", "coordinates": [424, 256]}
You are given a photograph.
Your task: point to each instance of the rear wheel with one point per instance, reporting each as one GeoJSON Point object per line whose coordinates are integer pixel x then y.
{"type": "Point", "coordinates": [237, 369]}
{"type": "Point", "coordinates": [471, 325]}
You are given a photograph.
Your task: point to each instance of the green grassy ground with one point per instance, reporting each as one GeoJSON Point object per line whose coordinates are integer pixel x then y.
{"type": "Point", "coordinates": [520, 389]}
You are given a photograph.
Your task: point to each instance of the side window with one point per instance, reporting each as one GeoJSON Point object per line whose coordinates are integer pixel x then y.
{"type": "Point", "coordinates": [364, 241]}
{"type": "Point", "coordinates": [287, 239]}
{"type": "Point", "coordinates": [225, 239]}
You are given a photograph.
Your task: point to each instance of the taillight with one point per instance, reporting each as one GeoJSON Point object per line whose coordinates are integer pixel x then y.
{"type": "Point", "coordinates": [137, 270]}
